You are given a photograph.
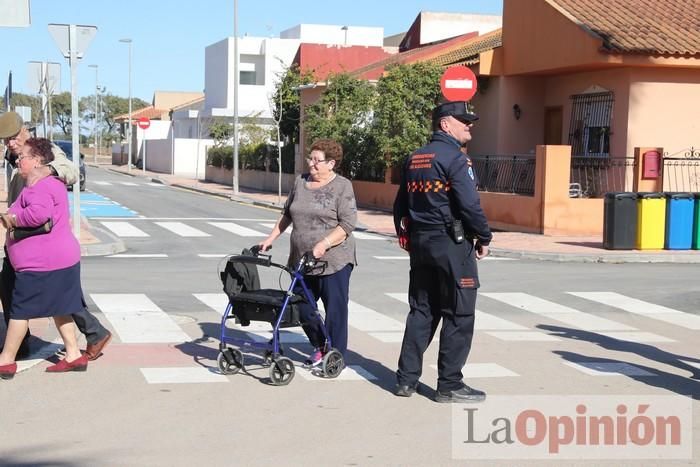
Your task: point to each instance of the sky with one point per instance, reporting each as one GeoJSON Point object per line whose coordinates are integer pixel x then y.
{"type": "Point", "coordinates": [169, 36]}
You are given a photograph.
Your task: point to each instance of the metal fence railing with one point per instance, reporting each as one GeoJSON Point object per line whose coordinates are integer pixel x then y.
{"type": "Point", "coordinates": [682, 171]}
{"type": "Point", "coordinates": [592, 177]}
{"type": "Point", "coordinates": [505, 174]}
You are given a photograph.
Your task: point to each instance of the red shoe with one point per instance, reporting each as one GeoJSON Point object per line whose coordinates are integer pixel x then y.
{"type": "Point", "coordinates": [8, 371]}
{"type": "Point", "coordinates": [79, 364]}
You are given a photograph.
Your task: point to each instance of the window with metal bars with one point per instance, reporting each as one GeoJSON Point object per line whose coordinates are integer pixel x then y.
{"type": "Point", "coordinates": [589, 131]}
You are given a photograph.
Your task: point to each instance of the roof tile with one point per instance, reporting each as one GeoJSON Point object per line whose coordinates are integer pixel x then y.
{"type": "Point", "coordinates": [650, 27]}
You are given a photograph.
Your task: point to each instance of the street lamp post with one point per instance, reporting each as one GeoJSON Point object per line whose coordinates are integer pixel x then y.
{"type": "Point", "coordinates": [97, 108]}
{"type": "Point", "coordinates": [128, 41]}
{"type": "Point", "coordinates": [236, 76]}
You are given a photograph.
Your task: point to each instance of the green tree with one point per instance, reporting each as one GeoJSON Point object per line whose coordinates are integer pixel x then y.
{"type": "Point", "coordinates": [61, 111]}
{"type": "Point", "coordinates": [113, 106]}
{"type": "Point", "coordinates": [221, 131]}
{"type": "Point", "coordinates": [254, 144]}
{"type": "Point", "coordinates": [402, 115]}
{"type": "Point", "coordinates": [344, 113]}
{"type": "Point", "coordinates": [287, 96]}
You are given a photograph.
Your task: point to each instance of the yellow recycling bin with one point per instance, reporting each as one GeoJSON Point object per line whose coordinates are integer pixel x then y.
{"type": "Point", "coordinates": [651, 218]}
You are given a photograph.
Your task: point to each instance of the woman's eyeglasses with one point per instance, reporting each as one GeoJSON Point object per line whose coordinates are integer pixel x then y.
{"type": "Point", "coordinates": [316, 162]}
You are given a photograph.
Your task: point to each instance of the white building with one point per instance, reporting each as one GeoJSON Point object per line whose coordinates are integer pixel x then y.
{"type": "Point", "coordinates": [431, 27]}
{"type": "Point", "coordinates": [262, 63]}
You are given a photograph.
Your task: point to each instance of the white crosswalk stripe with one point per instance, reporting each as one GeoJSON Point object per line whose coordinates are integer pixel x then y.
{"type": "Point", "coordinates": [575, 318]}
{"type": "Point", "coordinates": [407, 258]}
{"type": "Point", "coordinates": [484, 370]}
{"type": "Point", "coordinates": [642, 308]}
{"type": "Point", "coordinates": [182, 229]}
{"type": "Point", "coordinates": [608, 369]}
{"type": "Point", "coordinates": [145, 255]}
{"type": "Point", "coordinates": [136, 319]}
{"type": "Point", "coordinates": [102, 183]}
{"type": "Point", "coordinates": [489, 323]}
{"type": "Point", "coordinates": [237, 229]}
{"type": "Point", "coordinates": [128, 183]}
{"type": "Point", "coordinates": [367, 236]}
{"type": "Point", "coordinates": [124, 229]}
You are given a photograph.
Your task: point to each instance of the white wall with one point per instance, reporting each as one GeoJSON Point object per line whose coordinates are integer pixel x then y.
{"type": "Point", "coordinates": [438, 26]}
{"type": "Point", "coordinates": [190, 156]}
{"type": "Point", "coordinates": [216, 63]}
{"type": "Point", "coordinates": [159, 129]}
{"type": "Point", "coordinates": [268, 57]}
{"type": "Point", "coordinates": [335, 34]}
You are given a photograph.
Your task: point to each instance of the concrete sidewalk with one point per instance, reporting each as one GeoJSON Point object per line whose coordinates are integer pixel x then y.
{"type": "Point", "coordinates": [505, 244]}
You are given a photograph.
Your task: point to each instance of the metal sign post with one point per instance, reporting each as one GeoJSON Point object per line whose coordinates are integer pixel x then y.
{"type": "Point", "coordinates": [73, 40]}
{"type": "Point", "coordinates": [44, 78]}
{"type": "Point", "coordinates": [144, 123]}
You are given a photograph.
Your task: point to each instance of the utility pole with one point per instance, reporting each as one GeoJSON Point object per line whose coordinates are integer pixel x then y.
{"type": "Point", "coordinates": [97, 109]}
{"type": "Point", "coordinates": [235, 96]}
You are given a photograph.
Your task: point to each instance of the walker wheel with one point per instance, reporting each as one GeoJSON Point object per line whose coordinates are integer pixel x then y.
{"type": "Point", "coordinates": [333, 364]}
{"type": "Point", "coordinates": [234, 356]}
{"type": "Point", "coordinates": [281, 371]}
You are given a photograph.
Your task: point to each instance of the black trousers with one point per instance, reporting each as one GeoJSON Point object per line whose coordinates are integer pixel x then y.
{"type": "Point", "coordinates": [86, 322]}
{"type": "Point", "coordinates": [443, 281]}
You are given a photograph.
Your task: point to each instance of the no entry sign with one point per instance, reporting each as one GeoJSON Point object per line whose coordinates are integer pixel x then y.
{"type": "Point", "coordinates": [143, 123]}
{"type": "Point", "coordinates": [458, 83]}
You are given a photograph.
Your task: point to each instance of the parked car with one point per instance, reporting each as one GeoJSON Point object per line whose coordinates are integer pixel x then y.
{"type": "Point", "coordinates": [67, 147]}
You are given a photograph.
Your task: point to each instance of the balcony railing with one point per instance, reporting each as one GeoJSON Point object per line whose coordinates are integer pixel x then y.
{"type": "Point", "coordinates": [592, 177]}
{"type": "Point", "coordinates": [505, 174]}
{"type": "Point", "coordinates": [682, 171]}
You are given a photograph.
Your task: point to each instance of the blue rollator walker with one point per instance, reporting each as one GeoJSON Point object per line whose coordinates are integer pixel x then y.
{"type": "Point", "coordinates": [248, 302]}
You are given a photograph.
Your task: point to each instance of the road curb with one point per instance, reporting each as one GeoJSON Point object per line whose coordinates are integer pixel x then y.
{"type": "Point", "coordinates": [498, 252]}
{"type": "Point", "coordinates": [238, 199]}
{"type": "Point", "coordinates": [108, 243]}
{"type": "Point", "coordinates": [593, 258]}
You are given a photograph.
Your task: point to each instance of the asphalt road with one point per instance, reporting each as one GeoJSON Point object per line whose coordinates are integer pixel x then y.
{"type": "Point", "coordinates": [559, 330]}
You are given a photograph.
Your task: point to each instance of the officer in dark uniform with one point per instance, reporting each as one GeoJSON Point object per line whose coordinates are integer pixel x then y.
{"type": "Point", "coordinates": [439, 219]}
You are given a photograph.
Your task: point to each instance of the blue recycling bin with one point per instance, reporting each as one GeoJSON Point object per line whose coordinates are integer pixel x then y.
{"type": "Point", "coordinates": [679, 221]}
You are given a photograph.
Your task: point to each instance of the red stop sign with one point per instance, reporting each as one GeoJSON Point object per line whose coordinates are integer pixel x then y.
{"type": "Point", "coordinates": [458, 83]}
{"type": "Point", "coordinates": [143, 123]}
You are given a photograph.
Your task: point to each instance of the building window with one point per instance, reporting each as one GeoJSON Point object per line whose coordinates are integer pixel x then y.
{"type": "Point", "coordinates": [247, 77]}
{"type": "Point", "coordinates": [251, 71]}
{"type": "Point", "coordinates": [589, 132]}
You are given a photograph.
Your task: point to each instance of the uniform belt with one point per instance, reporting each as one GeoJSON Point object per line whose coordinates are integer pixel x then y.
{"type": "Point", "coordinates": [419, 226]}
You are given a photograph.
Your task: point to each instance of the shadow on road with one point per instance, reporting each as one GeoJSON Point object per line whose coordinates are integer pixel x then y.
{"type": "Point", "coordinates": [679, 384]}
{"type": "Point", "coordinates": [204, 354]}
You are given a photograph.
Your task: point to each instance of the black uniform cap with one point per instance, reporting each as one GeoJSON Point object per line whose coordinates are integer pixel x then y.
{"type": "Point", "coordinates": [458, 110]}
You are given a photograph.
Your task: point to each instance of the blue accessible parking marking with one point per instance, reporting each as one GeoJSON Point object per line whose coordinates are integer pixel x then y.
{"type": "Point", "coordinates": [94, 205]}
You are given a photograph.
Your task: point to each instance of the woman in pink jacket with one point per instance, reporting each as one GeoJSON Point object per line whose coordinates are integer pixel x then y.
{"type": "Point", "coordinates": [47, 265]}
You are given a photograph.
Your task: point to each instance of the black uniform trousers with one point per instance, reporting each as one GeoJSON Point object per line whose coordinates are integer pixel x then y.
{"type": "Point", "coordinates": [85, 321]}
{"type": "Point", "coordinates": [438, 267]}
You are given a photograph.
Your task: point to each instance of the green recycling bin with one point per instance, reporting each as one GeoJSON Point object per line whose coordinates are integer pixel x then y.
{"type": "Point", "coordinates": [651, 215]}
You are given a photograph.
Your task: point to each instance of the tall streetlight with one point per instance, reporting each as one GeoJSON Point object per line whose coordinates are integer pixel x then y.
{"type": "Point", "coordinates": [97, 107]}
{"type": "Point", "coordinates": [236, 78]}
{"type": "Point", "coordinates": [128, 41]}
